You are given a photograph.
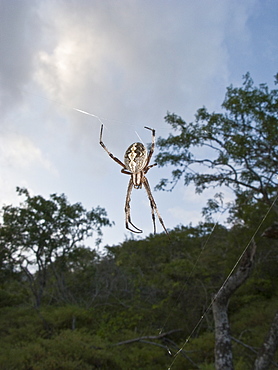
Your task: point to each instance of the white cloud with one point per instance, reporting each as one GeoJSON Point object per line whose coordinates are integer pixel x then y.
{"type": "Point", "coordinates": [21, 161]}
{"type": "Point", "coordinates": [18, 152]}
{"type": "Point", "coordinates": [135, 57]}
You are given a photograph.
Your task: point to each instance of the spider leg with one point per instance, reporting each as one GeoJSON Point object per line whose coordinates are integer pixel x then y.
{"type": "Point", "coordinates": [152, 146]}
{"type": "Point", "coordinates": [153, 205]}
{"type": "Point", "coordinates": [123, 170]}
{"type": "Point", "coordinates": [148, 167]}
{"type": "Point", "coordinates": [127, 210]}
{"type": "Point", "coordinates": [153, 215]}
{"type": "Point", "coordinates": [109, 153]}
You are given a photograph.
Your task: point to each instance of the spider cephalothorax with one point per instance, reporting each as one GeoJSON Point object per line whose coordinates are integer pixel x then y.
{"type": "Point", "coordinates": [136, 164]}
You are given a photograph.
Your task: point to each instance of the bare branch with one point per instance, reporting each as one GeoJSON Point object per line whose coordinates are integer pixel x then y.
{"type": "Point", "coordinates": [147, 337]}
{"type": "Point", "coordinates": [244, 345]}
{"type": "Point", "coordinates": [252, 349]}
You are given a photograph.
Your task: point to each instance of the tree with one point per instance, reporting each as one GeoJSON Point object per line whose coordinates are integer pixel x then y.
{"type": "Point", "coordinates": [237, 149]}
{"type": "Point", "coordinates": [39, 231]}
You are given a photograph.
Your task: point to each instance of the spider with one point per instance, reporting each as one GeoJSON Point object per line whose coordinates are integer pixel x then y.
{"type": "Point", "coordinates": [136, 164]}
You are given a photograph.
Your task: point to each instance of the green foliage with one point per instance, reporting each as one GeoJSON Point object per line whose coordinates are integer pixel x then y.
{"type": "Point", "coordinates": [237, 149]}
{"type": "Point", "coordinates": [147, 287]}
{"type": "Point", "coordinates": [39, 232]}
{"type": "Point", "coordinates": [68, 350]}
{"type": "Point", "coordinates": [13, 293]}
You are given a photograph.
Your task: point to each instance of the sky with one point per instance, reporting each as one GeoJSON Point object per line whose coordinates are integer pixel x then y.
{"type": "Point", "coordinates": [126, 63]}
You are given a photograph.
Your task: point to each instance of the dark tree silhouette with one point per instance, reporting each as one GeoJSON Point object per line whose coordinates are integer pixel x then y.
{"type": "Point", "coordinates": [36, 233]}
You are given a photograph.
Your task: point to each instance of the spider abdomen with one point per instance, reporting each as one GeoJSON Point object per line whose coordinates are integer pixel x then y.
{"type": "Point", "coordinates": [135, 157]}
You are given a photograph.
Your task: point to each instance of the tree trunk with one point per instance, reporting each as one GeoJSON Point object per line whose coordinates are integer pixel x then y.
{"type": "Point", "coordinates": [269, 347]}
{"type": "Point", "coordinates": [223, 345]}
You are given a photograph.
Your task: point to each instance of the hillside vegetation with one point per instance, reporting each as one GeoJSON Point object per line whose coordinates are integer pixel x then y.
{"type": "Point", "coordinates": [140, 289]}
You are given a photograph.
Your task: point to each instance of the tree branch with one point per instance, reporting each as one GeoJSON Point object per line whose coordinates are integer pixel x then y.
{"type": "Point", "coordinates": [244, 345]}
{"type": "Point", "coordinates": [147, 337]}
{"type": "Point", "coordinates": [182, 352]}
{"type": "Point", "coordinates": [252, 349]}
